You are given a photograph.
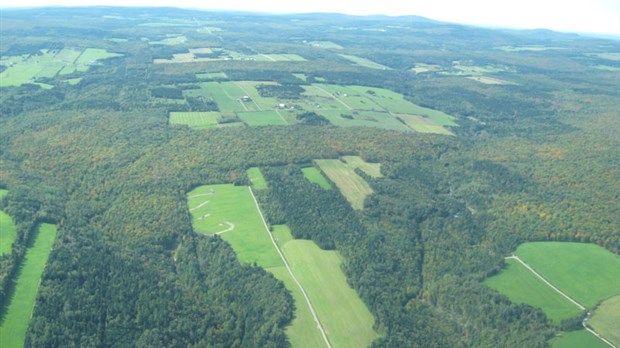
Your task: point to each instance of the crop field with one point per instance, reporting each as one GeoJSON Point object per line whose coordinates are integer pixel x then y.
{"type": "Point", "coordinates": [314, 175]}
{"type": "Point", "coordinates": [29, 68]}
{"type": "Point", "coordinates": [423, 124]}
{"type": "Point", "coordinates": [586, 272]}
{"type": "Point", "coordinates": [196, 120]}
{"type": "Point", "coordinates": [352, 186]}
{"type": "Point", "coordinates": [212, 76]}
{"type": "Point", "coordinates": [606, 319]}
{"type": "Point", "coordinates": [15, 323]}
{"type": "Point", "coordinates": [577, 339]}
{"type": "Point", "coordinates": [371, 169]}
{"type": "Point", "coordinates": [257, 178]}
{"type": "Point", "coordinates": [345, 318]}
{"type": "Point", "coordinates": [367, 63]}
{"type": "Point", "coordinates": [522, 286]}
{"type": "Point", "coordinates": [230, 212]}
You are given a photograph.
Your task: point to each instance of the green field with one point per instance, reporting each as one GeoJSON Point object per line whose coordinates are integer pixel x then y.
{"type": "Point", "coordinates": [424, 124]}
{"type": "Point", "coordinates": [371, 169]}
{"type": "Point", "coordinates": [196, 120]}
{"type": "Point", "coordinates": [212, 76]}
{"type": "Point", "coordinates": [257, 178]}
{"type": "Point", "coordinates": [262, 118]}
{"type": "Point", "coordinates": [314, 175]}
{"type": "Point", "coordinates": [15, 322]}
{"type": "Point", "coordinates": [352, 186]}
{"type": "Point", "coordinates": [606, 320]}
{"type": "Point", "coordinates": [577, 339]}
{"type": "Point", "coordinates": [363, 62]}
{"type": "Point", "coordinates": [326, 44]}
{"type": "Point", "coordinates": [522, 286]}
{"type": "Point", "coordinates": [230, 211]}
{"type": "Point", "coordinates": [7, 229]}
{"type": "Point", "coordinates": [47, 64]}
{"type": "Point", "coordinates": [586, 272]}
{"type": "Point", "coordinates": [173, 40]}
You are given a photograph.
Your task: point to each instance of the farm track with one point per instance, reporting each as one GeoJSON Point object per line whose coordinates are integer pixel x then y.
{"type": "Point", "coordinates": [584, 322]}
{"type": "Point", "coordinates": [290, 271]}
{"type": "Point", "coordinates": [333, 96]}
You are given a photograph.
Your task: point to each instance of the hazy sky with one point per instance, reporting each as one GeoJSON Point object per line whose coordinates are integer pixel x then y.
{"type": "Point", "coordinates": [596, 16]}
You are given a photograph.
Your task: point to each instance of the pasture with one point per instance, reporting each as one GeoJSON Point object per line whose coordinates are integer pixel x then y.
{"type": "Point", "coordinates": [522, 286]}
{"type": "Point", "coordinates": [577, 339]}
{"type": "Point", "coordinates": [15, 322]}
{"type": "Point", "coordinates": [367, 63]}
{"type": "Point", "coordinates": [325, 44]}
{"type": "Point", "coordinates": [262, 118]}
{"type": "Point", "coordinates": [257, 178]}
{"type": "Point", "coordinates": [586, 272]}
{"type": "Point", "coordinates": [212, 76]}
{"type": "Point", "coordinates": [172, 40]}
{"type": "Point", "coordinates": [230, 212]}
{"type": "Point", "coordinates": [314, 176]}
{"type": "Point", "coordinates": [7, 229]}
{"type": "Point", "coordinates": [196, 120]}
{"type": "Point", "coordinates": [423, 124]}
{"type": "Point", "coordinates": [352, 186]}
{"type": "Point", "coordinates": [606, 320]}
{"type": "Point", "coordinates": [489, 80]}
{"type": "Point", "coordinates": [345, 318]}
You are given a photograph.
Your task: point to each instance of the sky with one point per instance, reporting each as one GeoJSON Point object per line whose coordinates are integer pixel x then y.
{"type": "Point", "coordinates": [585, 16]}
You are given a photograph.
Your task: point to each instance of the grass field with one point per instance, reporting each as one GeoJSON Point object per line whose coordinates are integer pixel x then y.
{"type": "Point", "coordinates": [489, 80]}
{"type": "Point", "coordinates": [522, 286]}
{"type": "Point", "coordinates": [7, 229]}
{"type": "Point", "coordinates": [262, 118]}
{"type": "Point", "coordinates": [363, 62]}
{"type": "Point", "coordinates": [314, 175]}
{"type": "Point", "coordinates": [196, 120]}
{"type": "Point", "coordinates": [353, 187]}
{"type": "Point", "coordinates": [174, 40]}
{"type": "Point", "coordinates": [345, 318]}
{"type": "Point", "coordinates": [230, 211]}
{"type": "Point", "coordinates": [586, 272]}
{"type": "Point", "coordinates": [325, 44]}
{"type": "Point", "coordinates": [577, 339]}
{"type": "Point", "coordinates": [91, 55]}
{"type": "Point", "coordinates": [257, 178]}
{"type": "Point", "coordinates": [424, 124]}
{"type": "Point", "coordinates": [212, 76]}
{"type": "Point", "coordinates": [606, 320]}
{"type": "Point", "coordinates": [15, 323]}
{"type": "Point", "coordinates": [371, 169]}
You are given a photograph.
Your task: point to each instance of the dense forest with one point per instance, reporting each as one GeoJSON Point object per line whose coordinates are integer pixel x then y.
{"type": "Point", "coordinates": [532, 160]}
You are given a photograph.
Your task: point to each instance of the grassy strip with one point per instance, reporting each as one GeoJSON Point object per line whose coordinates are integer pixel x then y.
{"type": "Point", "coordinates": [606, 320]}
{"type": "Point", "coordinates": [196, 120]}
{"type": "Point", "coordinates": [257, 178]}
{"type": "Point", "coordinates": [371, 169]}
{"type": "Point", "coordinates": [15, 323]}
{"type": "Point", "coordinates": [7, 229]}
{"type": "Point", "coordinates": [521, 286]}
{"type": "Point", "coordinates": [577, 339]}
{"type": "Point", "coordinates": [314, 175]}
{"type": "Point", "coordinates": [586, 272]}
{"type": "Point", "coordinates": [353, 187]}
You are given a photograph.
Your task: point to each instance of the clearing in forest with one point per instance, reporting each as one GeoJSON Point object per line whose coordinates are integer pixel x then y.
{"type": "Point", "coordinates": [606, 319]}
{"type": "Point", "coordinates": [370, 169]}
{"type": "Point", "coordinates": [522, 286]}
{"type": "Point", "coordinates": [196, 120]}
{"type": "Point", "coordinates": [345, 318]}
{"type": "Point", "coordinates": [212, 76]}
{"type": "Point", "coordinates": [257, 178]}
{"type": "Point", "coordinates": [367, 63]}
{"type": "Point", "coordinates": [586, 272]}
{"type": "Point", "coordinates": [314, 175]}
{"type": "Point", "coordinates": [7, 229]}
{"type": "Point", "coordinates": [22, 301]}
{"type": "Point", "coordinates": [352, 186]}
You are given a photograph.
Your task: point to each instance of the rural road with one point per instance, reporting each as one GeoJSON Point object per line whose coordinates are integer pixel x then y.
{"type": "Point", "coordinates": [583, 323]}
{"type": "Point", "coordinates": [288, 268]}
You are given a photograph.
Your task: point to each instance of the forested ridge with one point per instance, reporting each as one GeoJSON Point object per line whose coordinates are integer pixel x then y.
{"type": "Point", "coordinates": [532, 161]}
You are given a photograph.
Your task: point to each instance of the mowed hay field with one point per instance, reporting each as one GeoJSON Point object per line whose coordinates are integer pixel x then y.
{"type": "Point", "coordinates": [606, 320]}
{"type": "Point", "coordinates": [314, 175]}
{"type": "Point", "coordinates": [262, 118]}
{"type": "Point", "coordinates": [586, 272]}
{"type": "Point", "coordinates": [371, 169]}
{"type": "Point", "coordinates": [196, 120]}
{"type": "Point", "coordinates": [15, 322]}
{"type": "Point", "coordinates": [522, 286]}
{"type": "Point", "coordinates": [257, 178]}
{"type": "Point", "coordinates": [7, 229]}
{"type": "Point", "coordinates": [230, 211]}
{"type": "Point", "coordinates": [345, 318]}
{"type": "Point", "coordinates": [352, 186]}
{"type": "Point", "coordinates": [578, 339]}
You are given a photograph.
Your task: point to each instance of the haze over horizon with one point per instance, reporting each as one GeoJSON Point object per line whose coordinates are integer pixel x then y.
{"type": "Point", "coordinates": [597, 16]}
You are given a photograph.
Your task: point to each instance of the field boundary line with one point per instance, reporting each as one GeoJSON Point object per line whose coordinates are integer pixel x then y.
{"type": "Point", "coordinates": [246, 93]}
{"type": "Point", "coordinates": [290, 271]}
{"type": "Point", "coordinates": [279, 114]}
{"type": "Point", "coordinates": [583, 323]}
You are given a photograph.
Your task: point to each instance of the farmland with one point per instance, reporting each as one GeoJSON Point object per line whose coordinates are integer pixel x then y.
{"type": "Point", "coordinates": [15, 322]}
{"type": "Point", "coordinates": [522, 286]}
{"type": "Point", "coordinates": [352, 186]}
{"type": "Point", "coordinates": [356, 162]}
{"type": "Point", "coordinates": [586, 272]}
{"type": "Point", "coordinates": [7, 229]}
{"type": "Point", "coordinates": [577, 339]}
{"type": "Point", "coordinates": [314, 175]}
{"type": "Point", "coordinates": [196, 120]}
{"type": "Point", "coordinates": [606, 318]}
{"type": "Point", "coordinates": [257, 179]}
{"type": "Point", "coordinates": [195, 55]}
{"type": "Point", "coordinates": [367, 63]}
